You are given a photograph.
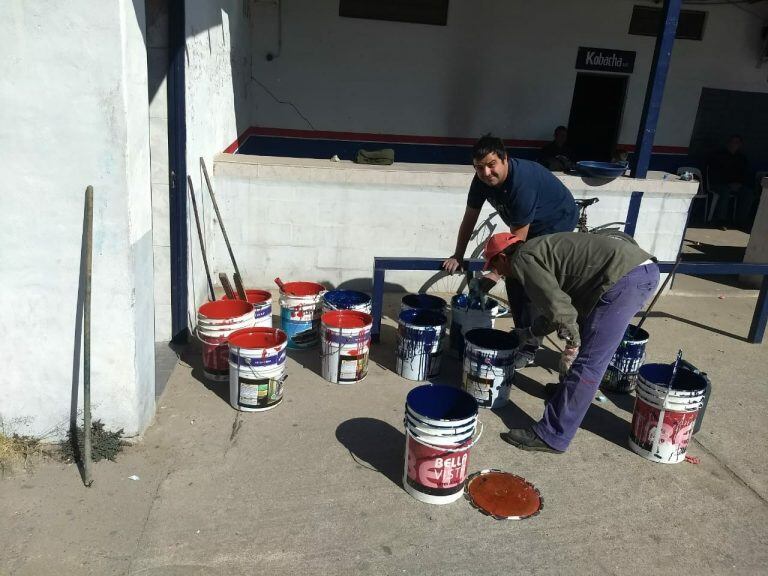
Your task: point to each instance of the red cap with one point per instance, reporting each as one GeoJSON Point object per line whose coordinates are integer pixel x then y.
{"type": "Point", "coordinates": [496, 244]}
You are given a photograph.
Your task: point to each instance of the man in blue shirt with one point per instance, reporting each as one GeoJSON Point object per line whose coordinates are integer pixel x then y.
{"type": "Point", "coordinates": [529, 199]}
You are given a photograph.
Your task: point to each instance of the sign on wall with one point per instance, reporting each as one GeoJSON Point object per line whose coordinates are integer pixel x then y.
{"type": "Point", "coordinates": [605, 60]}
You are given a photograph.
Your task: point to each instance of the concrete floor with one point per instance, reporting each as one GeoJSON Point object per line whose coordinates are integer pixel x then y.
{"type": "Point", "coordinates": [314, 486]}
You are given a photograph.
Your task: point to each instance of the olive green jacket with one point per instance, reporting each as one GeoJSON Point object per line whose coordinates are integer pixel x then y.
{"type": "Point", "coordinates": [565, 275]}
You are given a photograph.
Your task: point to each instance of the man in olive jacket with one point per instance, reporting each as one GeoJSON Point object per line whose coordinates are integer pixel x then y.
{"type": "Point", "coordinates": [587, 287]}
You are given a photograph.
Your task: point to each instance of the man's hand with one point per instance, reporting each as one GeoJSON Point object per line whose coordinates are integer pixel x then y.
{"type": "Point", "coordinates": [567, 356]}
{"type": "Point", "coordinates": [452, 265]}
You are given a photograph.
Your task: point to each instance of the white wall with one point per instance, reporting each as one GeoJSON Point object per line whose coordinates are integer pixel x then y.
{"type": "Point", "coordinates": [217, 75]}
{"type": "Point", "coordinates": [73, 112]}
{"type": "Point", "coordinates": [502, 66]}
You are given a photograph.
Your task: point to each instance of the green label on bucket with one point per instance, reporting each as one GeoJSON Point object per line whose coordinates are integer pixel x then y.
{"type": "Point", "coordinates": [259, 393]}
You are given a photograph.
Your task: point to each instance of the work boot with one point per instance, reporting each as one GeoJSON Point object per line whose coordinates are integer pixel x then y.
{"type": "Point", "coordinates": [526, 439]}
{"type": "Point", "coordinates": [551, 389]}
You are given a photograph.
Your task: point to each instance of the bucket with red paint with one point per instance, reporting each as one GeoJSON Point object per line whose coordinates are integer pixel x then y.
{"type": "Point", "coordinates": [262, 306]}
{"type": "Point", "coordinates": [440, 427]}
{"type": "Point", "coordinates": [666, 409]}
{"type": "Point", "coordinates": [256, 368]}
{"type": "Point", "coordinates": [300, 311]}
{"type": "Point", "coordinates": [215, 322]}
{"type": "Point", "coordinates": [346, 341]}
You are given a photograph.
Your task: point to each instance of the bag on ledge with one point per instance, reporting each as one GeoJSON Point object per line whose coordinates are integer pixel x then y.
{"type": "Point", "coordinates": [383, 157]}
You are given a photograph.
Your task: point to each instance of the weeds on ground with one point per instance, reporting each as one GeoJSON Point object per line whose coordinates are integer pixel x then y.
{"type": "Point", "coordinates": [18, 451]}
{"type": "Point", "coordinates": [105, 444]}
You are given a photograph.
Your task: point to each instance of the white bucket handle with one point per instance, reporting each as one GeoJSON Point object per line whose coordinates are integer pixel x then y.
{"type": "Point", "coordinates": [449, 450]}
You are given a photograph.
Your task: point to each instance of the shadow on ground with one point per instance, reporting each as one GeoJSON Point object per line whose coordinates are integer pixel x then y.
{"type": "Point", "coordinates": [375, 445]}
{"type": "Point", "coordinates": [193, 356]}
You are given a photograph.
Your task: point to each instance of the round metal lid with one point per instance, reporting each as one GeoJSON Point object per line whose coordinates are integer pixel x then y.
{"type": "Point", "coordinates": [502, 495]}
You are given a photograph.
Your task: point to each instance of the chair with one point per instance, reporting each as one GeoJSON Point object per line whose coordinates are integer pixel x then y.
{"type": "Point", "coordinates": [716, 198]}
{"type": "Point", "coordinates": [702, 193]}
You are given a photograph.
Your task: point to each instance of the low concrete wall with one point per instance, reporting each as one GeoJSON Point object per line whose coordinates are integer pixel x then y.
{"type": "Point", "coordinates": [325, 221]}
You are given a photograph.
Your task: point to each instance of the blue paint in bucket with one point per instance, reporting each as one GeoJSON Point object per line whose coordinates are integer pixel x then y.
{"type": "Point", "coordinates": [441, 403]}
{"type": "Point", "coordinates": [621, 374]}
{"type": "Point", "coordinates": [423, 302]}
{"type": "Point", "coordinates": [347, 300]}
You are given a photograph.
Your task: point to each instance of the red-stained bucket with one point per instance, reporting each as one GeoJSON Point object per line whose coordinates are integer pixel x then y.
{"type": "Point", "coordinates": [346, 340]}
{"type": "Point", "coordinates": [436, 452]}
{"type": "Point", "coordinates": [262, 306]}
{"type": "Point", "coordinates": [215, 322]}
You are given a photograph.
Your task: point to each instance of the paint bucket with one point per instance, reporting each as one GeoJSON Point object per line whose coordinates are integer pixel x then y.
{"type": "Point", "coordinates": [419, 343]}
{"type": "Point", "coordinates": [346, 300]}
{"type": "Point", "coordinates": [262, 306]}
{"type": "Point", "coordinates": [300, 312]}
{"type": "Point", "coordinates": [346, 340]}
{"type": "Point", "coordinates": [256, 368]}
{"type": "Point", "coordinates": [423, 302]}
{"type": "Point", "coordinates": [621, 374]}
{"type": "Point", "coordinates": [215, 322]}
{"type": "Point", "coordinates": [436, 462]}
{"type": "Point", "coordinates": [467, 314]}
{"type": "Point", "coordinates": [489, 366]}
{"type": "Point", "coordinates": [665, 415]}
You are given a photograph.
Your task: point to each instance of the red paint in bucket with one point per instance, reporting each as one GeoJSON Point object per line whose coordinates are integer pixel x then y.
{"type": "Point", "coordinates": [347, 319]}
{"type": "Point", "coordinates": [434, 470]}
{"type": "Point", "coordinates": [254, 296]}
{"type": "Point", "coordinates": [302, 288]}
{"type": "Point", "coordinates": [257, 338]}
{"type": "Point", "coordinates": [225, 309]}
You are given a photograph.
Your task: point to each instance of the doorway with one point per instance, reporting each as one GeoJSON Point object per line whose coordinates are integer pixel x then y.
{"type": "Point", "coordinates": [595, 119]}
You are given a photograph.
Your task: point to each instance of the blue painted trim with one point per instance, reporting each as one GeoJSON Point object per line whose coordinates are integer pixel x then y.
{"type": "Point", "coordinates": [633, 213]}
{"type": "Point", "coordinates": [377, 300]}
{"type": "Point", "coordinates": [760, 318]}
{"type": "Point", "coordinates": [654, 93]}
{"type": "Point", "coordinates": [177, 164]}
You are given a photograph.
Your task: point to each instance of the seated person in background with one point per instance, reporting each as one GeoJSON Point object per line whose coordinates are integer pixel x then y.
{"type": "Point", "coordinates": [619, 155]}
{"type": "Point", "coordinates": [728, 174]}
{"type": "Point", "coordinates": [557, 155]}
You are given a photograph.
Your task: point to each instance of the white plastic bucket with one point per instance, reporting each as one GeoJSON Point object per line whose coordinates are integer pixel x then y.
{"type": "Point", "coordinates": [262, 306]}
{"type": "Point", "coordinates": [256, 368]}
{"type": "Point", "coordinates": [215, 322]}
{"type": "Point", "coordinates": [489, 366]}
{"type": "Point", "coordinates": [346, 300]}
{"type": "Point", "coordinates": [435, 468]}
{"type": "Point", "coordinates": [300, 311]}
{"type": "Point", "coordinates": [419, 343]}
{"type": "Point", "coordinates": [346, 341]}
{"type": "Point", "coordinates": [468, 314]}
{"type": "Point", "coordinates": [621, 374]}
{"type": "Point", "coordinates": [665, 415]}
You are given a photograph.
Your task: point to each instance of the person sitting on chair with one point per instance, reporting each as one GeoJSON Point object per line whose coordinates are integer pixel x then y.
{"type": "Point", "coordinates": [728, 174]}
{"type": "Point", "coordinates": [557, 155]}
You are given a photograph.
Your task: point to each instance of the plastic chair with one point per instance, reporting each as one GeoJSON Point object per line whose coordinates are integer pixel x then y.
{"type": "Point", "coordinates": [716, 198]}
{"type": "Point", "coordinates": [702, 193]}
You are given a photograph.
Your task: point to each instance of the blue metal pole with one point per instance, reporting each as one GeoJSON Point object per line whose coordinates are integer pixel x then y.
{"type": "Point", "coordinates": [760, 318]}
{"type": "Point", "coordinates": [654, 93]}
{"type": "Point", "coordinates": [377, 302]}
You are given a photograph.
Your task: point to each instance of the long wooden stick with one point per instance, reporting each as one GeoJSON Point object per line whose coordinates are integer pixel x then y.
{"type": "Point", "coordinates": [658, 293]}
{"type": "Point", "coordinates": [240, 290]}
{"type": "Point", "coordinates": [87, 456]}
{"type": "Point", "coordinates": [200, 236]}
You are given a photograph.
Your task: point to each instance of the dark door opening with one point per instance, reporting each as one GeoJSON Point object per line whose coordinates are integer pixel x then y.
{"type": "Point", "coordinates": [596, 109]}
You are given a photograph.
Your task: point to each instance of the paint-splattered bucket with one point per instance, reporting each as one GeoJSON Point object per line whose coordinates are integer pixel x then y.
{"type": "Point", "coordinates": [346, 300]}
{"type": "Point", "coordinates": [346, 341]}
{"type": "Point", "coordinates": [215, 322]}
{"type": "Point", "coordinates": [262, 306]}
{"type": "Point", "coordinates": [489, 366]}
{"type": "Point", "coordinates": [256, 368]}
{"type": "Point", "coordinates": [468, 314]}
{"type": "Point", "coordinates": [436, 460]}
{"type": "Point", "coordinates": [621, 374]}
{"type": "Point", "coordinates": [419, 344]}
{"type": "Point", "coordinates": [665, 415]}
{"type": "Point", "coordinates": [300, 311]}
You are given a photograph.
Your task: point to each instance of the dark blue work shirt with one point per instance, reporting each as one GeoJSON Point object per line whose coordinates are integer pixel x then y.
{"type": "Point", "coordinates": [529, 195]}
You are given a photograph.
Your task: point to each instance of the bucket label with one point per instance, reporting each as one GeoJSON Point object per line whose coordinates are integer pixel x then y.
{"type": "Point", "coordinates": [433, 467]}
{"type": "Point", "coordinates": [480, 388]}
{"type": "Point", "coordinates": [663, 433]}
{"type": "Point", "coordinates": [353, 367]}
{"type": "Point", "coordinates": [263, 312]}
{"type": "Point", "coordinates": [259, 393]}
{"type": "Point", "coordinates": [265, 360]}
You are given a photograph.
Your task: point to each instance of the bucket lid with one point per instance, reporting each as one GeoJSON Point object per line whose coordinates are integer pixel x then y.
{"type": "Point", "coordinates": [346, 298]}
{"type": "Point", "coordinates": [347, 319]}
{"type": "Point", "coordinates": [502, 495]}
{"type": "Point", "coordinates": [423, 318]}
{"type": "Point", "coordinates": [258, 337]}
{"type": "Point", "coordinates": [302, 289]}
{"type": "Point", "coordinates": [225, 309]}
{"type": "Point", "coordinates": [441, 402]}
{"type": "Point", "coordinates": [424, 302]}
{"type": "Point", "coordinates": [491, 338]}
{"type": "Point", "coordinates": [254, 296]}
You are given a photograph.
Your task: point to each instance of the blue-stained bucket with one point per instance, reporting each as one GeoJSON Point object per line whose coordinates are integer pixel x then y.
{"type": "Point", "coordinates": [419, 343]}
{"type": "Point", "coordinates": [467, 314]}
{"type": "Point", "coordinates": [621, 374]}
{"type": "Point", "coordinates": [423, 302]}
{"type": "Point", "coordinates": [346, 300]}
{"type": "Point", "coordinates": [489, 366]}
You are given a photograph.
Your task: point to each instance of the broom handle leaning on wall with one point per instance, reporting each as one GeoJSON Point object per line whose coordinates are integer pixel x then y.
{"type": "Point", "coordinates": [240, 290]}
{"type": "Point", "coordinates": [658, 293]}
{"type": "Point", "coordinates": [87, 457]}
{"type": "Point", "coordinates": [200, 236]}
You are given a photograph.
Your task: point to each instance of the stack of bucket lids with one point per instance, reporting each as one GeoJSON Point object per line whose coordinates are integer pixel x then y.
{"type": "Point", "coordinates": [502, 495]}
